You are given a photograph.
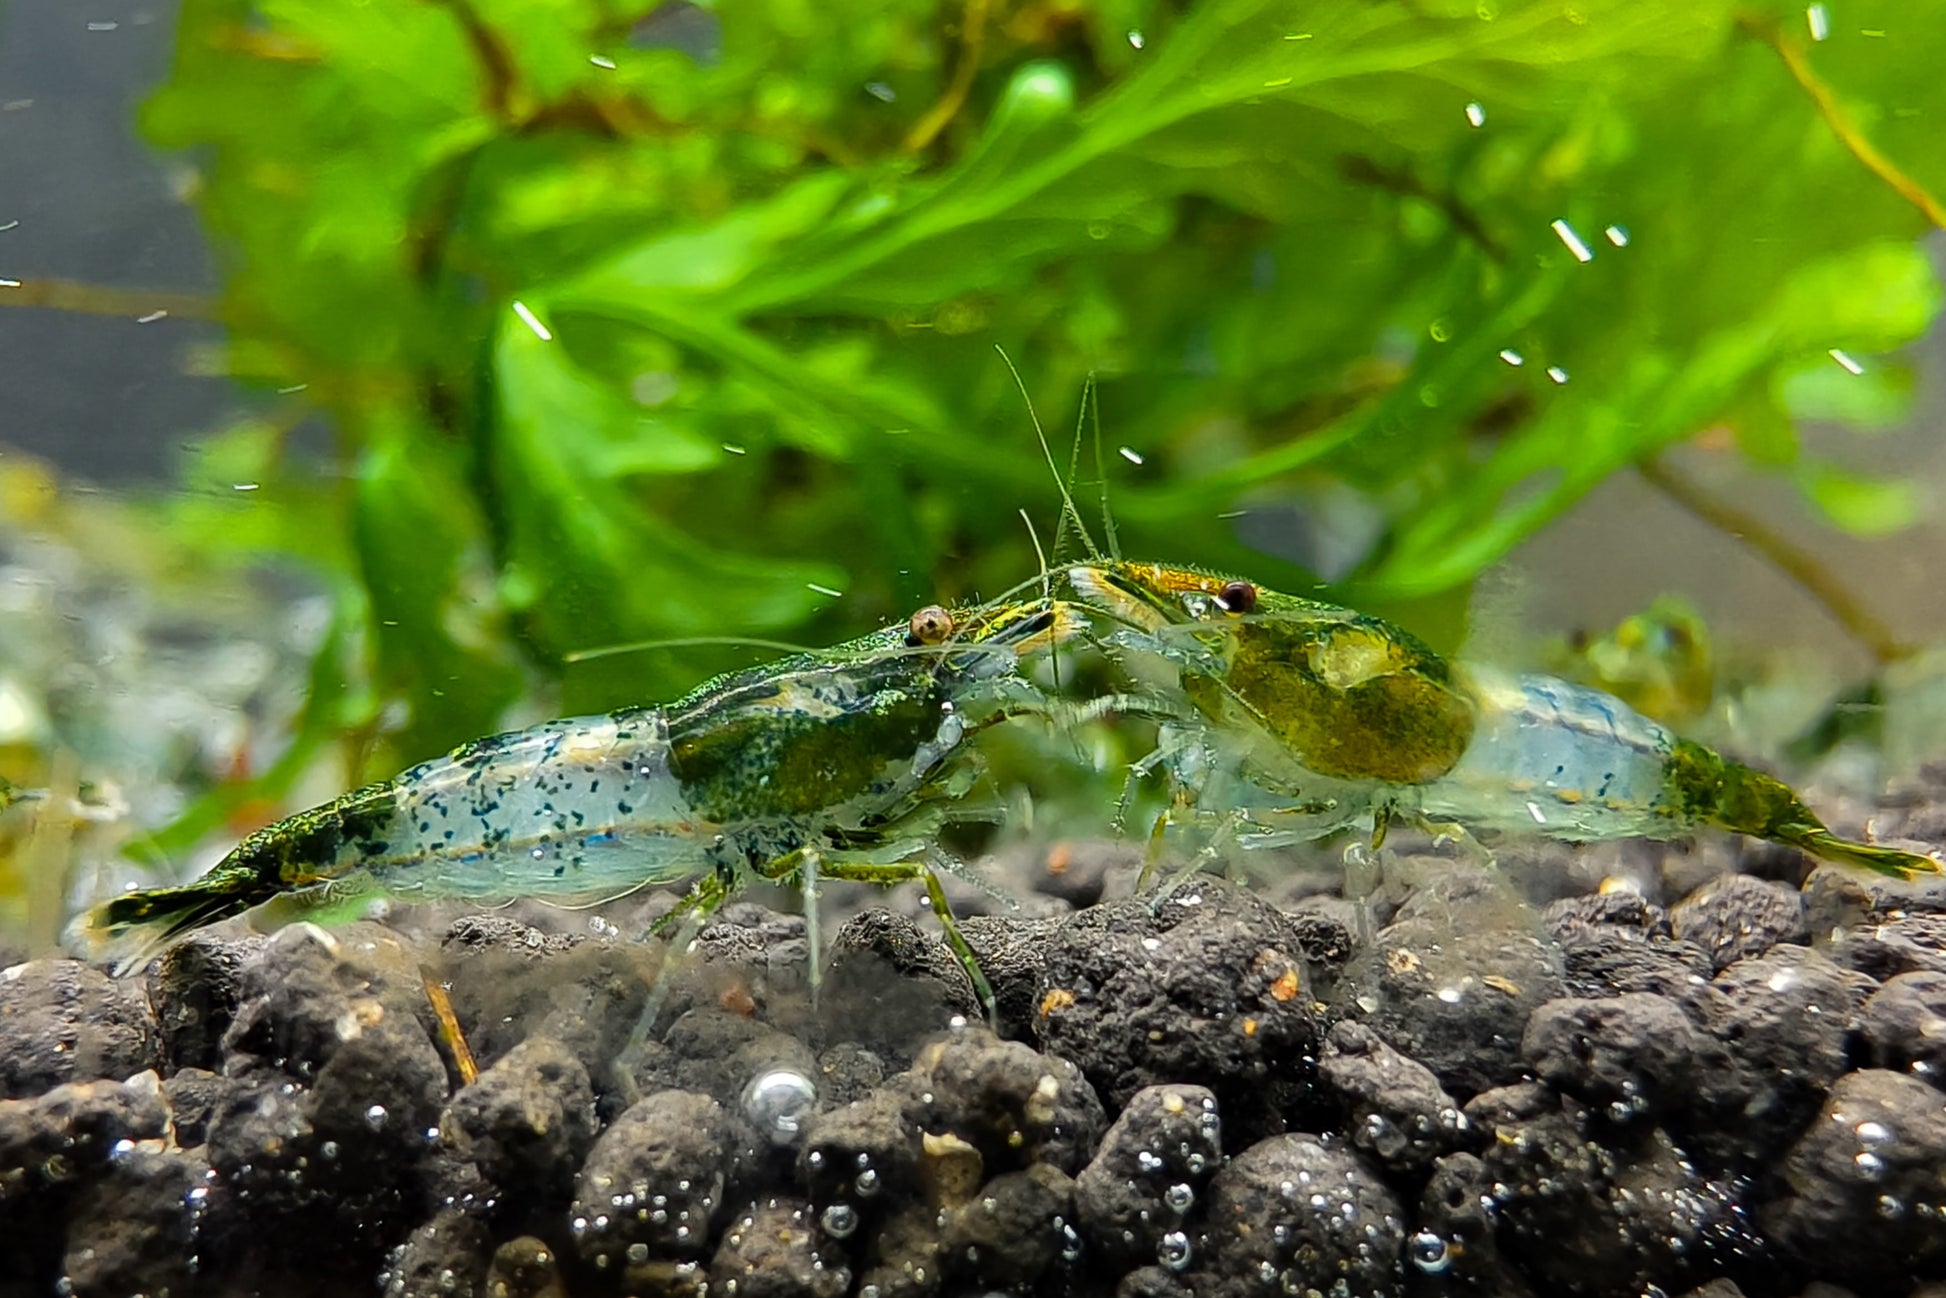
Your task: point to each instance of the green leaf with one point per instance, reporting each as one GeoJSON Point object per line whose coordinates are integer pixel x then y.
{"type": "Point", "coordinates": [422, 552]}
{"type": "Point", "coordinates": [622, 439]}
{"type": "Point", "coordinates": [602, 568]}
{"type": "Point", "coordinates": [1879, 397]}
{"type": "Point", "coordinates": [1862, 505]}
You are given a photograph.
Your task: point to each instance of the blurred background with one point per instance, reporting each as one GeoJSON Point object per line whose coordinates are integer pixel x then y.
{"type": "Point", "coordinates": [367, 367]}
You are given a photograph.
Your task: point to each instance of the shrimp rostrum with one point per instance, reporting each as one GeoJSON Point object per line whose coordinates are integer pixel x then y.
{"type": "Point", "coordinates": [1331, 718]}
{"type": "Point", "coordinates": [842, 763]}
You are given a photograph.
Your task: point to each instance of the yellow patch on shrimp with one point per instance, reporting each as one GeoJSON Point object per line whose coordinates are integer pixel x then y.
{"type": "Point", "coordinates": [1350, 658]}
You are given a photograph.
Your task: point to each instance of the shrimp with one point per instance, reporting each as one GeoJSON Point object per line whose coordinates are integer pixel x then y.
{"type": "Point", "coordinates": [1334, 717]}
{"type": "Point", "coordinates": [841, 763]}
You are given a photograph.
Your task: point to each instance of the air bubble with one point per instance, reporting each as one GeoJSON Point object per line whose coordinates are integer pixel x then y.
{"type": "Point", "coordinates": [375, 1116]}
{"type": "Point", "coordinates": [1173, 1251]}
{"type": "Point", "coordinates": [839, 1220]}
{"type": "Point", "coordinates": [1429, 1252]}
{"type": "Point", "coordinates": [778, 1102]}
{"type": "Point", "coordinates": [1180, 1198]}
{"type": "Point", "coordinates": [866, 1183]}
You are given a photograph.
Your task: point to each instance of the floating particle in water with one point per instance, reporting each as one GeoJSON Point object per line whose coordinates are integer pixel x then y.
{"type": "Point", "coordinates": [824, 590]}
{"type": "Point", "coordinates": [1512, 357]}
{"type": "Point", "coordinates": [1476, 115]}
{"type": "Point", "coordinates": [1818, 21]}
{"type": "Point", "coordinates": [1844, 359]}
{"type": "Point", "coordinates": [1136, 39]}
{"type": "Point", "coordinates": [1575, 244]}
{"type": "Point", "coordinates": [1617, 235]}
{"type": "Point", "coordinates": [606, 64]}
{"type": "Point", "coordinates": [880, 91]}
{"type": "Point", "coordinates": [778, 1102]}
{"type": "Point", "coordinates": [1556, 373]}
{"type": "Point", "coordinates": [532, 321]}
{"type": "Point", "coordinates": [1132, 455]}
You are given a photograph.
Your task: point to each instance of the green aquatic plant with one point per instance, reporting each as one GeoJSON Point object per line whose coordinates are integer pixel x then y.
{"type": "Point", "coordinates": [676, 321]}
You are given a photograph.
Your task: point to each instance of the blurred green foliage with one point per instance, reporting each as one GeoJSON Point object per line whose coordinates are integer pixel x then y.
{"type": "Point", "coordinates": [645, 321]}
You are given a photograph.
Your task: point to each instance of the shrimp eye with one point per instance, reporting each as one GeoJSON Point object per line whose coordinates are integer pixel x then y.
{"type": "Point", "coordinates": [1238, 597]}
{"type": "Point", "coordinates": [930, 625]}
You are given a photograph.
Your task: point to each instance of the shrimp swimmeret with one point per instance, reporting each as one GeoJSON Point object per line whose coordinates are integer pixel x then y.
{"type": "Point", "coordinates": [1339, 717]}
{"type": "Point", "coordinates": [840, 763]}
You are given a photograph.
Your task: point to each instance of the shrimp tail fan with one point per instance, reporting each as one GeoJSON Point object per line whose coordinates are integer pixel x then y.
{"type": "Point", "coordinates": [128, 931]}
{"type": "Point", "coordinates": [1748, 801]}
{"type": "Point", "coordinates": [1888, 861]}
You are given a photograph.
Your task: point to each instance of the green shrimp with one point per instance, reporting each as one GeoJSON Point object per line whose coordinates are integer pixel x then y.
{"type": "Point", "coordinates": [842, 764]}
{"type": "Point", "coordinates": [1335, 717]}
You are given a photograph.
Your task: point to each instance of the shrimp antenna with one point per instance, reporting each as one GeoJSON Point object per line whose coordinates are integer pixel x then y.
{"type": "Point", "coordinates": [589, 903]}
{"type": "Point", "coordinates": [1074, 476]}
{"type": "Point", "coordinates": [1068, 510]}
{"type": "Point", "coordinates": [685, 642]}
{"type": "Point", "coordinates": [1091, 402]}
{"type": "Point", "coordinates": [1047, 591]}
{"type": "Point", "coordinates": [1047, 586]}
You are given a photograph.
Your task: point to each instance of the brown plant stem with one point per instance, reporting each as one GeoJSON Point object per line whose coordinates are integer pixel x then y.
{"type": "Point", "coordinates": [1841, 123]}
{"type": "Point", "coordinates": [1795, 562]}
{"type": "Point", "coordinates": [972, 40]}
{"type": "Point", "coordinates": [96, 299]}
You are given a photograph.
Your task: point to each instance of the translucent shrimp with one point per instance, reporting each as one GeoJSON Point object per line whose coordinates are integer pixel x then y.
{"type": "Point", "coordinates": [841, 763]}
{"type": "Point", "coordinates": [1331, 717]}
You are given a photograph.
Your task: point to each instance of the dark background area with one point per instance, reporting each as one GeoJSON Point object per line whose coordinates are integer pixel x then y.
{"type": "Point", "coordinates": [105, 397]}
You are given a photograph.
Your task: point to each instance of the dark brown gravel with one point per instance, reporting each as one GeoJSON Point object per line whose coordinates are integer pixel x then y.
{"type": "Point", "coordinates": [1467, 1084]}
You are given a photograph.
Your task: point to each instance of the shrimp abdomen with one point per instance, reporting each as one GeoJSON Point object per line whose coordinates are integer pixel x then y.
{"type": "Point", "coordinates": [1555, 758]}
